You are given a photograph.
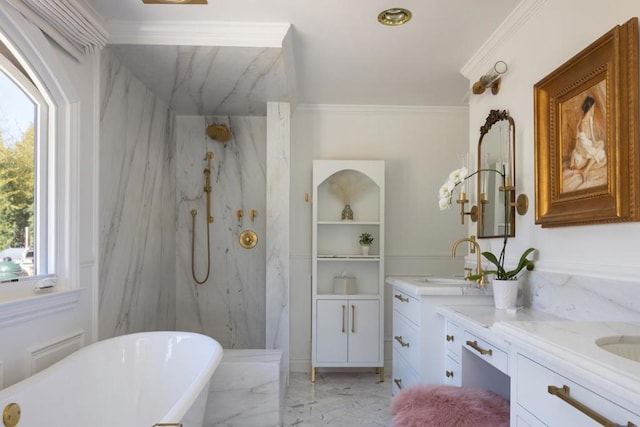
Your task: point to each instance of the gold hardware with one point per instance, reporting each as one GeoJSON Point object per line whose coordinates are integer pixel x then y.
{"type": "Point", "coordinates": [308, 198]}
{"type": "Point", "coordinates": [449, 338]}
{"type": "Point", "coordinates": [394, 16]}
{"type": "Point", "coordinates": [239, 215]}
{"type": "Point", "coordinates": [449, 374]}
{"type": "Point", "coordinates": [353, 318]}
{"type": "Point", "coordinates": [254, 214]}
{"type": "Point", "coordinates": [313, 375]}
{"type": "Point", "coordinates": [207, 190]}
{"type": "Point", "coordinates": [11, 415]}
{"type": "Point", "coordinates": [482, 281]}
{"type": "Point", "coordinates": [564, 394]}
{"type": "Point", "coordinates": [491, 79]}
{"type": "Point", "coordinates": [522, 204]}
{"type": "Point", "coordinates": [220, 133]}
{"type": "Point", "coordinates": [401, 298]}
{"type": "Point", "coordinates": [472, 247]}
{"type": "Point", "coordinates": [343, 307]}
{"type": "Point", "coordinates": [398, 382]}
{"type": "Point", "coordinates": [474, 345]}
{"type": "Point", "coordinates": [401, 341]}
{"type": "Point", "coordinates": [381, 373]}
{"type": "Point", "coordinates": [473, 213]}
{"type": "Point", "coordinates": [248, 239]}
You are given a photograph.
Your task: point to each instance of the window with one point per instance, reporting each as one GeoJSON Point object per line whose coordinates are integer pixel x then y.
{"type": "Point", "coordinates": [23, 175]}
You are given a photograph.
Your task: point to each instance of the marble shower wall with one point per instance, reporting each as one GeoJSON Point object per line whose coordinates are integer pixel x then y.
{"type": "Point", "coordinates": [230, 306]}
{"type": "Point", "coordinates": [137, 205]}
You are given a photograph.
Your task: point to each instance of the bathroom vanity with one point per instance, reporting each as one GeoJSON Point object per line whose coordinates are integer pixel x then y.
{"type": "Point", "coordinates": [417, 328]}
{"type": "Point", "coordinates": [553, 370]}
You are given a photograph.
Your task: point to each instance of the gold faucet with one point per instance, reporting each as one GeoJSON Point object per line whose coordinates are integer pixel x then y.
{"type": "Point", "coordinates": [482, 281]}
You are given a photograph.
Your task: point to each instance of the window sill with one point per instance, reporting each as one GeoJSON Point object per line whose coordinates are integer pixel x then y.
{"type": "Point", "coordinates": [19, 305]}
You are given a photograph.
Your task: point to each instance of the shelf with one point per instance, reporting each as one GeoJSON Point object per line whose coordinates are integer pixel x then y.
{"type": "Point", "coordinates": [349, 257]}
{"type": "Point", "coordinates": [348, 222]}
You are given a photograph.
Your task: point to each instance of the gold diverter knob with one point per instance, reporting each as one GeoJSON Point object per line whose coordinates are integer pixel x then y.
{"type": "Point", "coordinates": [11, 415]}
{"type": "Point", "coordinates": [248, 239]}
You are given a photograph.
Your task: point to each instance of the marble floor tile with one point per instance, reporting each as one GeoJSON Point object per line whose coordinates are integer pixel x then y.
{"type": "Point", "coordinates": [338, 399]}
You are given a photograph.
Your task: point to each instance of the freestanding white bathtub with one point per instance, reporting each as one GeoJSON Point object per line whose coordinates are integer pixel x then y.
{"type": "Point", "coordinates": [135, 380]}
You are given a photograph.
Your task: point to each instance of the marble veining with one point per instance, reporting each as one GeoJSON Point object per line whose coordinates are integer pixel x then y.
{"type": "Point", "coordinates": [230, 306]}
{"type": "Point", "coordinates": [206, 80]}
{"type": "Point", "coordinates": [278, 233]}
{"type": "Point", "coordinates": [137, 238]}
{"type": "Point", "coordinates": [579, 297]}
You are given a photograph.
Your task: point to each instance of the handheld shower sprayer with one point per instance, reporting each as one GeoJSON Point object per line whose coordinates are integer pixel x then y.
{"type": "Point", "coordinates": [207, 190]}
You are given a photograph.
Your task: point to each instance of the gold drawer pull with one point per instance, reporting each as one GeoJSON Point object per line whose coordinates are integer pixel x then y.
{"type": "Point", "coordinates": [353, 319]}
{"type": "Point", "coordinates": [401, 298]}
{"type": "Point", "coordinates": [449, 338]}
{"type": "Point", "coordinates": [474, 345]}
{"type": "Point", "coordinates": [401, 341]}
{"type": "Point", "coordinates": [449, 374]}
{"type": "Point", "coordinates": [563, 394]}
{"type": "Point", "coordinates": [398, 382]}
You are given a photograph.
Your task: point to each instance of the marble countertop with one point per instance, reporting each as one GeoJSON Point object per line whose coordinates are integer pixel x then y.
{"type": "Point", "coordinates": [435, 286]}
{"type": "Point", "coordinates": [571, 345]}
{"type": "Point", "coordinates": [568, 346]}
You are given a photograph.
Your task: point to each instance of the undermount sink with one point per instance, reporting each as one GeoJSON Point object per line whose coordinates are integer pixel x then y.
{"type": "Point", "coordinates": [627, 346]}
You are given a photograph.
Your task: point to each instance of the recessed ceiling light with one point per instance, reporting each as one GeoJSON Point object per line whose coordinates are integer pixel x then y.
{"type": "Point", "coordinates": [174, 1]}
{"type": "Point", "coordinates": [394, 16]}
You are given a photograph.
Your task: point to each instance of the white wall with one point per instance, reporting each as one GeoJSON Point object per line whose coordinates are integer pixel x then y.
{"type": "Point", "coordinates": [582, 271]}
{"type": "Point", "coordinates": [35, 337]}
{"type": "Point", "coordinates": [420, 147]}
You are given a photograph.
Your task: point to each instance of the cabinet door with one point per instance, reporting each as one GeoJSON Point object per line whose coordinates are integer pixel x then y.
{"type": "Point", "coordinates": [364, 331]}
{"type": "Point", "coordinates": [331, 331]}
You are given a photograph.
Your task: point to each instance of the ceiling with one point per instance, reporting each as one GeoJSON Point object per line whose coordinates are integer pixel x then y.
{"type": "Point", "coordinates": [341, 54]}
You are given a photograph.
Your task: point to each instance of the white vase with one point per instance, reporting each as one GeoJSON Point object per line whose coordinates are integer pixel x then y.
{"type": "Point", "coordinates": [505, 293]}
{"type": "Point", "coordinates": [365, 249]}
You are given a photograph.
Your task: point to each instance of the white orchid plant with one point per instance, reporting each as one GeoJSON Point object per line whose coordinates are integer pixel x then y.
{"type": "Point", "coordinates": [456, 178]}
{"type": "Point", "coordinates": [445, 195]}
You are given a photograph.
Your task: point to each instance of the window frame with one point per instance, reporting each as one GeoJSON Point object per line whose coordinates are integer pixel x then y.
{"type": "Point", "coordinates": [44, 167]}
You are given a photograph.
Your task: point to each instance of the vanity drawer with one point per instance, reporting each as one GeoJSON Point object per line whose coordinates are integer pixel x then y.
{"type": "Point", "coordinates": [532, 393]}
{"type": "Point", "coordinates": [406, 340]}
{"type": "Point", "coordinates": [487, 351]}
{"type": "Point", "coordinates": [453, 337]}
{"type": "Point", "coordinates": [452, 374]}
{"type": "Point", "coordinates": [406, 305]}
{"type": "Point", "coordinates": [403, 375]}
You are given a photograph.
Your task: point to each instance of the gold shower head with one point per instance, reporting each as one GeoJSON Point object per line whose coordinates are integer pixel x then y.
{"type": "Point", "coordinates": [220, 133]}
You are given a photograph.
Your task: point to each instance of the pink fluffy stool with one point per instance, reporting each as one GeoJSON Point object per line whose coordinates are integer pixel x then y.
{"type": "Point", "coordinates": [449, 406]}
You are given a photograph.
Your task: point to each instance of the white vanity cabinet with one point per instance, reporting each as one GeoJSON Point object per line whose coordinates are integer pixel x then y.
{"type": "Point", "coordinates": [545, 397]}
{"type": "Point", "coordinates": [418, 339]}
{"type": "Point", "coordinates": [347, 285]}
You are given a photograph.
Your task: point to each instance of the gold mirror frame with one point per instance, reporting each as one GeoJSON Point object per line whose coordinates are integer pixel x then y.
{"type": "Point", "coordinates": [488, 205]}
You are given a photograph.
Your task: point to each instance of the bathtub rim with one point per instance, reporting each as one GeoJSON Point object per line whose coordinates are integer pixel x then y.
{"type": "Point", "coordinates": [183, 402]}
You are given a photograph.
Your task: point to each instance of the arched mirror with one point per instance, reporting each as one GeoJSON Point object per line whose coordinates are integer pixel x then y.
{"type": "Point", "coordinates": [496, 165]}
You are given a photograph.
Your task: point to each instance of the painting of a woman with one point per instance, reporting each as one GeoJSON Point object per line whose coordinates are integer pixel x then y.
{"type": "Point", "coordinates": [585, 162]}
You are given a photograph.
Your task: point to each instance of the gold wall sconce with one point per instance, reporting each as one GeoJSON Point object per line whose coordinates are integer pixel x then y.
{"type": "Point", "coordinates": [491, 79]}
{"type": "Point", "coordinates": [473, 212]}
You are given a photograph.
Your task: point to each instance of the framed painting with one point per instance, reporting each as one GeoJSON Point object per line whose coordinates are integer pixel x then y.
{"type": "Point", "coordinates": [586, 135]}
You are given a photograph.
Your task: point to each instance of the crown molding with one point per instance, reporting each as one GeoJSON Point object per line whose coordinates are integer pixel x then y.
{"type": "Point", "coordinates": [512, 24]}
{"type": "Point", "coordinates": [401, 109]}
{"type": "Point", "coordinates": [198, 33]}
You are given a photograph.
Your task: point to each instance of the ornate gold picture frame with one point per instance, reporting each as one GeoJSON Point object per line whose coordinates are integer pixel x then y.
{"type": "Point", "coordinates": [586, 130]}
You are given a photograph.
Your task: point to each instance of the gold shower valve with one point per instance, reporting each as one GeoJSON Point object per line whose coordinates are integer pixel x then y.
{"type": "Point", "coordinates": [254, 214]}
{"type": "Point", "coordinates": [248, 239]}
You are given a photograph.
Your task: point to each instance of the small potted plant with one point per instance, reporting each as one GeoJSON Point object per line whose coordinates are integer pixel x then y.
{"type": "Point", "coordinates": [505, 283]}
{"type": "Point", "coordinates": [365, 243]}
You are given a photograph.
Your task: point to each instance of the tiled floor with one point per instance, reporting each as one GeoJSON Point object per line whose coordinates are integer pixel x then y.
{"type": "Point", "coordinates": [338, 399]}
